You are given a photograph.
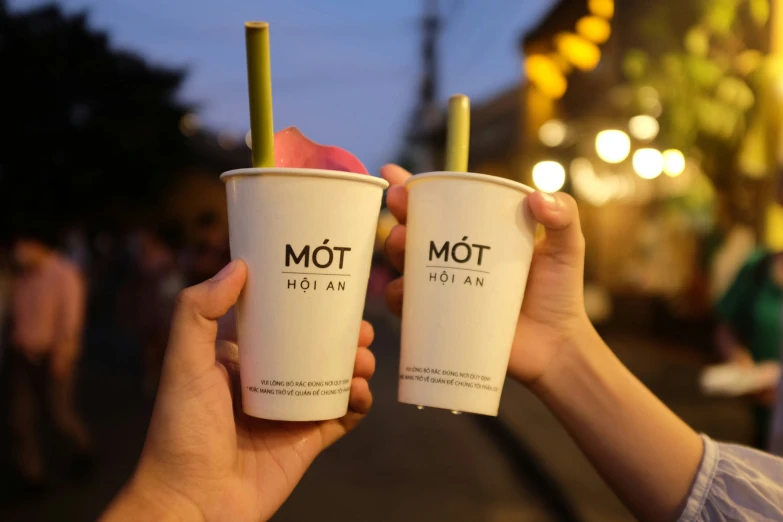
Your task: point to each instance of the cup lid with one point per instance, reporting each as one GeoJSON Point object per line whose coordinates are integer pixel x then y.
{"type": "Point", "coordinates": [470, 176]}
{"type": "Point", "coordinates": [305, 173]}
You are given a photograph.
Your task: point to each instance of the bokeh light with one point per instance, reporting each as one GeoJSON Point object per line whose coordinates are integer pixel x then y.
{"type": "Point", "coordinates": [673, 162]}
{"type": "Point", "coordinates": [189, 124]}
{"type": "Point", "coordinates": [643, 127]}
{"type": "Point", "coordinates": [650, 100]}
{"type": "Point", "coordinates": [594, 28]}
{"type": "Point", "coordinates": [648, 163]}
{"type": "Point", "coordinates": [549, 176]}
{"type": "Point", "coordinates": [544, 73]}
{"type": "Point", "coordinates": [612, 146]}
{"type": "Point", "coordinates": [552, 133]}
{"type": "Point", "coordinates": [249, 139]}
{"type": "Point", "coordinates": [602, 8]}
{"type": "Point", "coordinates": [227, 140]}
{"type": "Point", "coordinates": [580, 53]}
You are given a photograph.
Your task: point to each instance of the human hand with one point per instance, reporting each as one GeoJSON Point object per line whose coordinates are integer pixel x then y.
{"type": "Point", "coordinates": [203, 458]}
{"type": "Point", "coordinates": [741, 356]}
{"type": "Point", "coordinates": [553, 312]}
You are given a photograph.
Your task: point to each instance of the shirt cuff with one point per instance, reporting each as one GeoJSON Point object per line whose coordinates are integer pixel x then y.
{"type": "Point", "coordinates": [702, 483]}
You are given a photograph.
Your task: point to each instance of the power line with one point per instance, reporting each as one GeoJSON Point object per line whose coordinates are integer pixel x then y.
{"type": "Point", "coordinates": [370, 29]}
{"type": "Point", "coordinates": [482, 38]}
{"type": "Point", "coordinates": [321, 79]}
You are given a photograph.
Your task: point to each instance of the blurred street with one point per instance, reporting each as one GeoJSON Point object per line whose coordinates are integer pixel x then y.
{"type": "Point", "coordinates": [662, 120]}
{"type": "Point", "coordinates": [404, 464]}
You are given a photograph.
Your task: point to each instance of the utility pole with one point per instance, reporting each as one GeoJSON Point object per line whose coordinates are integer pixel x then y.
{"type": "Point", "coordinates": [426, 115]}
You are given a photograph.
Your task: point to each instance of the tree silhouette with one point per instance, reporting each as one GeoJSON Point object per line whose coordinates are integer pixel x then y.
{"type": "Point", "coordinates": [89, 132]}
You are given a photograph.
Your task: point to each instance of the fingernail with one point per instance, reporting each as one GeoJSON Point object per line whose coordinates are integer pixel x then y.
{"type": "Point", "coordinates": [552, 202]}
{"type": "Point", "coordinates": [225, 271]}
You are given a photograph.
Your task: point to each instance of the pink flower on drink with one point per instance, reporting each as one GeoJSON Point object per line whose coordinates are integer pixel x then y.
{"type": "Point", "coordinates": [294, 150]}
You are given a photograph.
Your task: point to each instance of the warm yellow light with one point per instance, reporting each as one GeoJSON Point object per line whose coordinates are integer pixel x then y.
{"type": "Point", "coordinates": [579, 52]}
{"type": "Point", "coordinates": [612, 146]}
{"type": "Point", "coordinates": [548, 176]}
{"type": "Point", "coordinates": [602, 8]}
{"type": "Point", "coordinates": [594, 28]}
{"type": "Point", "coordinates": [546, 75]}
{"type": "Point", "coordinates": [748, 61]}
{"type": "Point", "coordinates": [648, 163]}
{"type": "Point", "coordinates": [650, 100]}
{"type": "Point", "coordinates": [552, 133]}
{"type": "Point", "coordinates": [386, 222]}
{"type": "Point", "coordinates": [673, 162]}
{"type": "Point", "coordinates": [227, 140]}
{"type": "Point", "coordinates": [189, 124]}
{"type": "Point", "coordinates": [643, 127]}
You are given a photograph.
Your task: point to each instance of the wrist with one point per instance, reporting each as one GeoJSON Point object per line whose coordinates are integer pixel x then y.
{"type": "Point", "coordinates": [146, 498]}
{"type": "Point", "coordinates": [579, 355]}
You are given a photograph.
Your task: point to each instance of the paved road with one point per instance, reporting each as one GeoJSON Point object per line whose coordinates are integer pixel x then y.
{"type": "Point", "coordinates": [402, 464]}
{"type": "Point", "coordinates": [411, 465]}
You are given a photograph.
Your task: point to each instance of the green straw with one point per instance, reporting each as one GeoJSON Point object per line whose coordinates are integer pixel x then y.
{"type": "Point", "coordinates": [458, 134]}
{"type": "Point", "coordinates": [259, 84]}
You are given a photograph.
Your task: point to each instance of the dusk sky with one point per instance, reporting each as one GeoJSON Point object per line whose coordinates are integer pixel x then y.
{"type": "Point", "coordinates": [344, 71]}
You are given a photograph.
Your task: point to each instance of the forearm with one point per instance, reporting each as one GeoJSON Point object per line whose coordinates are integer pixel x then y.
{"type": "Point", "coordinates": [646, 454]}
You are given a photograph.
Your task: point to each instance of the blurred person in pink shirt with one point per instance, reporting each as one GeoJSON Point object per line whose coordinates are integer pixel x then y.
{"type": "Point", "coordinates": [47, 309]}
{"type": "Point", "coordinates": [147, 298]}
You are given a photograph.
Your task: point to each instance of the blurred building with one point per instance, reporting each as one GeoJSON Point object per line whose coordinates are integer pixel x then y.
{"type": "Point", "coordinates": [648, 204]}
{"type": "Point", "coordinates": [634, 244]}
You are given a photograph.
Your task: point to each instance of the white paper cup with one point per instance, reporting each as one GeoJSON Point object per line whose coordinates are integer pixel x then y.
{"type": "Point", "coordinates": [307, 237]}
{"type": "Point", "coordinates": [469, 244]}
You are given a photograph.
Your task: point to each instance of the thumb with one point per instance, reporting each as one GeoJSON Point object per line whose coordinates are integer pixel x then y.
{"type": "Point", "coordinates": [559, 216]}
{"type": "Point", "coordinates": [191, 349]}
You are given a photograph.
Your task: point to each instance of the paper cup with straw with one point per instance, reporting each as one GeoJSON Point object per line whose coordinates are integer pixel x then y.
{"type": "Point", "coordinates": [307, 238]}
{"type": "Point", "coordinates": [469, 244]}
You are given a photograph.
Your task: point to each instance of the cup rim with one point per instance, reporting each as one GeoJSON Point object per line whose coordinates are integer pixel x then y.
{"type": "Point", "coordinates": [470, 176]}
{"type": "Point", "coordinates": [305, 173]}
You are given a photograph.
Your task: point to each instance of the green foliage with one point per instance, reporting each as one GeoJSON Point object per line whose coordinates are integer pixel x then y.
{"type": "Point", "coordinates": [707, 78]}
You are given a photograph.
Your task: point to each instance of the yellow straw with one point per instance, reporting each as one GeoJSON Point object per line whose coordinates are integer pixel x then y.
{"type": "Point", "coordinates": [458, 134]}
{"type": "Point", "coordinates": [259, 84]}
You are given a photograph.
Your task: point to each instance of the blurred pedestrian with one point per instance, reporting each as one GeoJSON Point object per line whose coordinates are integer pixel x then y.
{"type": "Point", "coordinates": [776, 431]}
{"type": "Point", "coordinates": [147, 299]}
{"type": "Point", "coordinates": [5, 298]}
{"type": "Point", "coordinates": [751, 326]}
{"type": "Point", "coordinates": [77, 249]}
{"type": "Point", "coordinates": [727, 249]}
{"type": "Point", "coordinates": [208, 250]}
{"type": "Point", "coordinates": [203, 460]}
{"type": "Point", "coordinates": [47, 312]}
{"type": "Point", "coordinates": [207, 253]}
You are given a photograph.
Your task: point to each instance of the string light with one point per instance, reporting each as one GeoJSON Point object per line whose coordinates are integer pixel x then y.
{"type": "Point", "coordinates": [552, 133]}
{"type": "Point", "coordinates": [673, 162]}
{"type": "Point", "coordinates": [643, 127]}
{"type": "Point", "coordinates": [612, 146]}
{"type": "Point", "coordinates": [648, 163]}
{"type": "Point", "coordinates": [548, 176]}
